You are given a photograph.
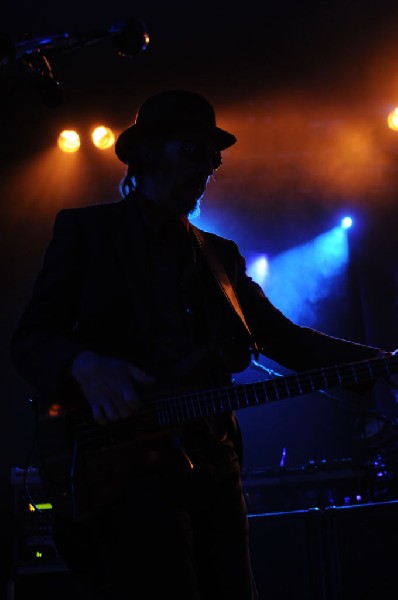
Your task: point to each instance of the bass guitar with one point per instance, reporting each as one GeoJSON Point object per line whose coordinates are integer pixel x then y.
{"type": "Point", "coordinates": [84, 464]}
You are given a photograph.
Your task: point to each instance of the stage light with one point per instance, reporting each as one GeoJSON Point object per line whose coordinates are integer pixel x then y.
{"type": "Point", "coordinates": [392, 119]}
{"type": "Point", "coordinates": [258, 268]}
{"type": "Point", "coordinates": [103, 137]}
{"type": "Point", "coordinates": [301, 278]}
{"type": "Point", "coordinates": [69, 141]}
{"type": "Point", "coordinates": [346, 222]}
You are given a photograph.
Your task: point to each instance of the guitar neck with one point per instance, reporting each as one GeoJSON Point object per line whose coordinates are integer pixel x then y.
{"type": "Point", "coordinates": [173, 410]}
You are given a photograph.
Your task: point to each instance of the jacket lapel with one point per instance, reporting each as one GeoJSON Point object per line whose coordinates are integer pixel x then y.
{"type": "Point", "coordinates": [131, 249]}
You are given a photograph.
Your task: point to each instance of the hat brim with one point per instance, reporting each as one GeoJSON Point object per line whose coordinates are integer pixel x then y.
{"type": "Point", "coordinates": [129, 139]}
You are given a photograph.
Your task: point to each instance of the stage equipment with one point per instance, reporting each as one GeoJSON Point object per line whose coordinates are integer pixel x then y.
{"type": "Point", "coordinates": [29, 57]}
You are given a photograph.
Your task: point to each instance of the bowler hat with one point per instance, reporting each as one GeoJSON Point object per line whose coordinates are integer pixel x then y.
{"type": "Point", "coordinates": [172, 113]}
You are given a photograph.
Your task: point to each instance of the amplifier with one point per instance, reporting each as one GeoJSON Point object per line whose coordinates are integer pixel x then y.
{"type": "Point", "coordinates": [361, 550]}
{"type": "Point", "coordinates": [336, 553]}
{"type": "Point", "coordinates": [287, 551]}
{"type": "Point", "coordinates": [317, 484]}
{"type": "Point", "coordinates": [34, 549]}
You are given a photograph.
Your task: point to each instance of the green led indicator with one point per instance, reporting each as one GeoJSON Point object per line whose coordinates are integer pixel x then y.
{"type": "Point", "coordinates": [44, 506]}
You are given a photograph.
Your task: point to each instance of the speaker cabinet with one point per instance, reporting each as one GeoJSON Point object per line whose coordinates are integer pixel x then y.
{"type": "Point", "coordinates": [362, 544]}
{"type": "Point", "coordinates": [288, 555]}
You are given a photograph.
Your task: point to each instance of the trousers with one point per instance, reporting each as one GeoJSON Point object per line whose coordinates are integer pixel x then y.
{"type": "Point", "coordinates": [173, 532]}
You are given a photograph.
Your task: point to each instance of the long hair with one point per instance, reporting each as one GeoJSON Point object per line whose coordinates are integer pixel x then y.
{"type": "Point", "coordinates": [142, 159]}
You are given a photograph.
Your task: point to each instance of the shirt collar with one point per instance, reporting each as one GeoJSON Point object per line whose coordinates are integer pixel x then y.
{"type": "Point", "coordinates": [155, 216]}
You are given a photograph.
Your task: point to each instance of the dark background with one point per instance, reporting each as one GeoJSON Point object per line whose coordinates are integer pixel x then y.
{"type": "Point", "coordinates": [306, 88]}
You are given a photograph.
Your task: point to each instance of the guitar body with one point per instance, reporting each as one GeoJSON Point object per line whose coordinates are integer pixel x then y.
{"type": "Point", "coordinates": [85, 467]}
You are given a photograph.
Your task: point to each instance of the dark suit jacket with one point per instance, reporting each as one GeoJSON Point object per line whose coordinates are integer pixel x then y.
{"type": "Point", "coordinates": [93, 289]}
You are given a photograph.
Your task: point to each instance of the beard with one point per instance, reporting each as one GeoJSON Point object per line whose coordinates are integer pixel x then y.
{"type": "Point", "coordinates": [189, 196]}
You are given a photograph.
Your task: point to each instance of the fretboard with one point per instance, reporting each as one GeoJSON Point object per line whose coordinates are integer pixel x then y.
{"type": "Point", "coordinates": [172, 410]}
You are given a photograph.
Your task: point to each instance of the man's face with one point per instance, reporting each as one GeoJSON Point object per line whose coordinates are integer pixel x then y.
{"type": "Point", "coordinates": [182, 172]}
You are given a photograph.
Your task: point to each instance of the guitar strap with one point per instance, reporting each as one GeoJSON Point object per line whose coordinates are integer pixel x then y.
{"type": "Point", "coordinates": [223, 281]}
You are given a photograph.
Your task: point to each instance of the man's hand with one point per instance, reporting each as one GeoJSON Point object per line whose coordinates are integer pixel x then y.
{"type": "Point", "coordinates": [109, 385]}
